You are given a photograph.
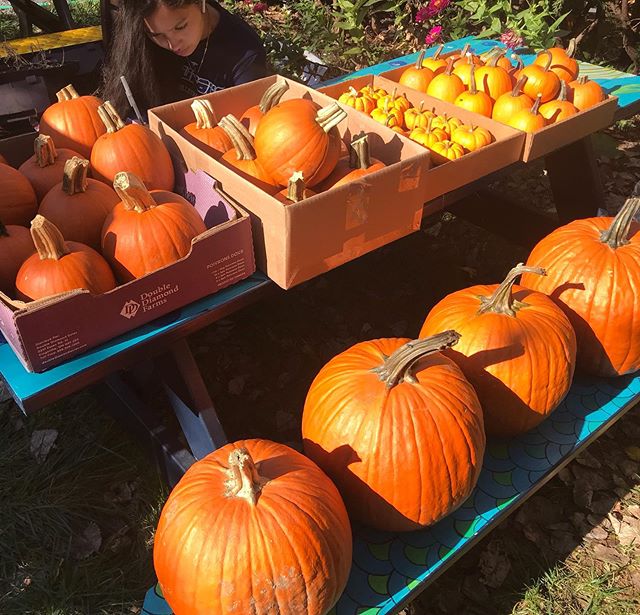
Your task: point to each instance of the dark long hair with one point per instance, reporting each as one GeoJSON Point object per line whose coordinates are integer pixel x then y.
{"type": "Point", "coordinates": [151, 71]}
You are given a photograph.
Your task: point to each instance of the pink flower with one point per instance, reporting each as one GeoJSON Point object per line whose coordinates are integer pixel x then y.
{"type": "Point", "coordinates": [422, 14]}
{"type": "Point", "coordinates": [511, 39]}
{"type": "Point", "coordinates": [437, 6]}
{"type": "Point", "coordinates": [434, 35]}
{"type": "Point", "coordinates": [260, 7]}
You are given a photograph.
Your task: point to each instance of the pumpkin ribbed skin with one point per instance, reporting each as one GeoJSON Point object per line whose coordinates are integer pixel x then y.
{"type": "Point", "coordinates": [521, 366]}
{"type": "Point", "coordinates": [562, 64]}
{"type": "Point", "coordinates": [287, 553]}
{"type": "Point", "coordinates": [215, 137]}
{"type": "Point", "coordinates": [18, 203]}
{"type": "Point", "coordinates": [44, 178]}
{"type": "Point", "coordinates": [402, 456]}
{"type": "Point", "coordinates": [16, 246]}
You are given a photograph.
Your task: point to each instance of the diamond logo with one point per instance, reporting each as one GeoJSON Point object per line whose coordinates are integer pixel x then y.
{"type": "Point", "coordinates": [130, 309]}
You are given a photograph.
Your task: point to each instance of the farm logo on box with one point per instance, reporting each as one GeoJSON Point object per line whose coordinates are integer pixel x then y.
{"type": "Point", "coordinates": [149, 301]}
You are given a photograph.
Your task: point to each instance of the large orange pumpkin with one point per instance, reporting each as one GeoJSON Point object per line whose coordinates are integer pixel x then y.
{"type": "Point", "coordinates": [585, 93]}
{"type": "Point", "coordinates": [18, 203]}
{"type": "Point", "coordinates": [78, 205]}
{"type": "Point", "coordinates": [254, 527]}
{"type": "Point", "coordinates": [473, 99]}
{"type": "Point", "coordinates": [61, 266]}
{"type": "Point", "coordinates": [205, 128]}
{"type": "Point", "coordinates": [44, 169]}
{"type": "Point", "coordinates": [593, 268]}
{"type": "Point", "coordinates": [147, 230]}
{"type": "Point", "coordinates": [16, 246]}
{"type": "Point", "coordinates": [541, 80]}
{"type": "Point", "coordinates": [399, 430]}
{"type": "Point", "coordinates": [299, 135]}
{"type": "Point", "coordinates": [510, 103]}
{"type": "Point", "coordinates": [417, 77]}
{"type": "Point", "coordinates": [132, 148]}
{"type": "Point", "coordinates": [271, 97]}
{"type": "Point", "coordinates": [446, 86]}
{"type": "Point", "coordinates": [493, 79]}
{"type": "Point", "coordinates": [563, 63]}
{"type": "Point", "coordinates": [73, 121]}
{"type": "Point", "coordinates": [517, 348]}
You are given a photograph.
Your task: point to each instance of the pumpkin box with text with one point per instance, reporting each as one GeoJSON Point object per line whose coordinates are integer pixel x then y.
{"type": "Point", "coordinates": [48, 331]}
{"type": "Point", "coordinates": [330, 225]}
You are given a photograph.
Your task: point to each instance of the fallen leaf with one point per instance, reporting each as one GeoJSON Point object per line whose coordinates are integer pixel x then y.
{"type": "Point", "coordinates": [88, 542]}
{"type": "Point", "coordinates": [632, 511]}
{"type": "Point", "coordinates": [494, 565]}
{"type": "Point", "coordinates": [610, 555]}
{"type": "Point", "coordinates": [42, 441]}
{"type": "Point", "coordinates": [592, 480]}
{"type": "Point", "coordinates": [602, 506]}
{"type": "Point", "coordinates": [597, 533]}
{"type": "Point", "coordinates": [629, 534]}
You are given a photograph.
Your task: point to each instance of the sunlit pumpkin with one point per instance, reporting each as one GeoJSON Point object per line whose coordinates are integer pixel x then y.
{"type": "Point", "coordinates": [541, 80]}
{"type": "Point", "coordinates": [417, 77]}
{"type": "Point", "coordinates": [559, 109]}
{"type": "Point", "coordinates": [511, 102]}
{"type": "Point", "coordinates": [528, 120]}
{"type": "Point", "coordinates": [446, 86]}
{"type": "Point", "coordinates": [205, 129]}
{"type": "Point", "coordinates": [475, 100]}
{"type": "Point", "coordinates": [358, 100]}
{"type": "Point", "coordinates": [563, 63]}
{"type": "Point", "coordinates": [271, 97]}
{"type": "Point", "coordinates": [585, 93]}
{"type": "Point", "coordinates": [471, 137]}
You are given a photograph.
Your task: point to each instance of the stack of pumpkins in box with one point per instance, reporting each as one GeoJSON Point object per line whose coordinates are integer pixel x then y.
{"type": "Point", "coordinates": [525, 97]}
{"type": "Point", "coordinates": [290, 149]}
{"type": "Point", "coordinates": [399, 426]}
{"type": "Point", "coordinates": [85, 194]}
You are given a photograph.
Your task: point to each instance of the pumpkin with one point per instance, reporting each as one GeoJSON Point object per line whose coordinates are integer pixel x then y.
{"type": "Point", "coordinates": [448, 124]}
{"type": "Point", "coordinates": [417, 117]}
{"type": "Point", "coordinates": [559, 109]}
{"type": "Point", "coordinates": [517, 349]}
{"type": "Point", "coordinates": [464, 55]}
{"type": "Point", "coordinates": [471, 137]}
{"type": "Point", "coordinates": [463, 70]}
{"type": "Point", "coordinates": [502, 61]}
{"type": "Point", "coordinates": [446, 86]}
{"type": "Point", "coordinates": [586, 93]}
{"type": "Point", "coordinates": [474, 100]}
{"type": "Point", "coordinates": [446, 150]}
{"type": "Point", "coordinates": [541, 80]}
{"type": "Point", "coordinates": [435, 63]}
{"type": "Point", "coordinates": [295, 191]}
{"type": "Point", "coordinates": [298, 135]}
{"type": "Point", "coordinates": [393, 101]}
{"type": "Point", "coordinates": [511, 102]}
{"type": "Point", "coordinates": [271, 97]}
{"type": "Point", "coordinates": [44, 169]}
{"type": "Point", "coordinates": [242, 158]}
{"type": "Point", "coordinates": [254, 527]}
{"type": "Point", "coordinates": [374, 93]}
{"type": "Point", "coordinates": [493, 79]}
{"type": "Point", "coordinates": [592, 270]}
{"type": "Point", "coordinates": [562, 62]}
{"type": "Point", "coordinates": [417, 77]}
{"type": "Point", "coordinates": [358, 100]}
{"type": "Point", "coordinates": [16, 246]}
{"type": "Point", "coordinates": [78, 205]}
{"type": "Point", "coordinates": [396, 403]}
{"type": "Point", "coordinates": [18, 203]}
{"type": "Point", "coordinates": [61, 266]}
{"type": "Point", "coordinates": [147, 230]}
{"type": "Point", "coordinates": [205, 128]}
{"type": "Point", "coordinates": [429, 135]}
{"type": "Point", "coordinates": [73, 122]}
{"type": "Point", "coordinates": [133, 148]}
{"type": "Point", "coordinates": [516, 71]}
{"type": "Point", "coordinates": [357, 165]}
{"type": "Point", "coordinates": [388, 115]}
{"type": "Point", "coordinates": [528, 120]}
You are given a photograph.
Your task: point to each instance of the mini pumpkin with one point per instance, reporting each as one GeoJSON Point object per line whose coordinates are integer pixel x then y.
{"type": "Point", "coordinates": [563, 63]}
{"type": "Point", "coordinates": [585, 93]}
{"type": "Point", "coordinates": [358, 100]}
{"type": "Point", "coordinates": [475, 100]}
{"type": "Point", "coordinates": [417, 77]}
{"type": "Point", "coordinates": [541, 79]}
{"type": "Point", "coordinates": [510, 103]}
{"type": "Point", "coordinates": [528, 120]}
{"type": "Point", "coordinates": [446, 150]}
{"type": "Point", "coordinates": [493, 79]}
{"type": "Point", "coordinates": [560, 109]}
{"type": "Point", "coordinates": [471, 137]}
{"type": "Point", "coordinates": [446, 86]}
{"type": "Point", "coordinates": [435, 63]}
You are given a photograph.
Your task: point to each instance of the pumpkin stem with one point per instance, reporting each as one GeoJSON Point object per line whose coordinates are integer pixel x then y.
{"type": "Point", "coordinates": [132, 192]}
{"type": "Point", "coordinates": [110, 118]}
{"type": "Point", "coordinates": [438, 51]}
{"type": "Point", "coordinates": [617, 234]}
{"type": "Point", "coordinates": [272, 95]}
{"type": "Point", "coordinates": [74, 177]}
{"type": "Point", "coordinates": [296, 187]}
{"type": "Point", "coordinates": [562, 97]}
{"type": "Point", "coordinates": [204, 113]}
{"type": "Point", "coordinates": [495, 58]}
{"type": "Point", "coordinates": [502, 302]}
{"type": "Point", "coordinates": [330, 116]}
{"type": "Point", "coordinates": [517, 88]}
{"type": "Point", "coordinates": [244, 480]}
{"type": "Point", "coordinates": [353, 92]}
{"type": "Point", "coordinates": [473, 90]}
{"type": "Point", "coordinates": [359, 157]}
{"type": "Point", "coordinates": [449, 69]}
{"type": "Point", "coordinates": [536, 104]}
{"type": "Point", "coordinates": [67, 93]}
{"type": "Point", "coordinates": [583, 79]}
{"type": "Point", "coordinates": [465, 50]}
{"type": "Point", "coordinates": [240, 137]}
{"type": "Point", "coordinates": [519, 62]}
{"type": "Point", "coordinates": [47, 239]}
{"type": "Point", "coordinates": [549, 55]}
{"type": "Point", "coordinates": [398, 367]}
{"type": "Point", "coordinates": [45, 151]}
{"type": "Point", "coordinates": [419, 60]}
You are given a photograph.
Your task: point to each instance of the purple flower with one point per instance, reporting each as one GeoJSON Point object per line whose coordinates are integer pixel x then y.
{"type": "Point", "coordinates": [511, 39]}
{"type": "Point", "coordinates": [260, 7]}
{"type": "Point", "coordinates": [434, 35]}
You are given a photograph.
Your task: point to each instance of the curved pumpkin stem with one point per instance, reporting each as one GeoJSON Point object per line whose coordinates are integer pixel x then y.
{"type": "Point", "coordinates": [536, 104]}
{"type": "Point", "coordinates": [502, 302]}
{"type": "Point", "coordinates": [549, 55]}
{"type": "Point", "coordinates": [438, 51]}
{"type": "Point", "coordinates": [74, 177]}
{"type": "Point", "coordinates": [204, 113]}
{"type": "Point", "coordinates": [330, 116]}
{"type": "Point", "coordinates": [495, 58]}
{"type": "Point", "coordinates": [562, 96]}
{"type": "Point", "coordinates": [132, 192]}
{"type": "Point", "coordinates": [110, 117]}
{"type": "Point", "coordinates": [420, 58]}
{"type": "Point", "coordinates": [571, 47]}
{"type": "Point", "coordinates": [240, 137]}
{"type": "Point", "coordinates": [67, 93]}
{"type": "Point", "coordinates": [473, 88]}
{"type": "Point", "coordinates": [296, 187]}
{"type": "Point", "coordinates": [397, 367]}
{"type": "Point", "coordinates": [464, 51]}
{"type": "Point", "coordinates": [359, 157]}
{"type": "Point", "coordinates": [244, 480]}
{"type": "Point", "coordinates": [45, 151]}
{"type": "Point", "coordinates": [517, 88]}
{"type": "Point", "coordinates": [519, 62]}
{"type": "Point", "coordinates": [47, 239]}
{"type": "Point", "coordinates": [617, 234]}
{"type": "Point", "coordinates": [272, 95]}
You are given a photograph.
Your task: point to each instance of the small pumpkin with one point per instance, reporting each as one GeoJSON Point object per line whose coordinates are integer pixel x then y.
{"type": "Point", "coordinates": [446, 86]}
{"type": "Point", "coordinates": [429, 135]}
{"type": "Point", "coordinates": [358, 100]}
{"type": "Point", "coordinates": [295, 191]}
{"type": "Point", "coordinates": [417, 77]}
{"type": "Point", "coordinates": [560, 109]}
{"type": "Point", "coordinates": [394, 101]}
{"type": "Point", "coordinates": [446, 150]}
{"type": "Point", "coordinates": [16, 246]}
{"type": "Point", "coordinates": [493, 79]}
{"type": "Point", "coordinates": [61, 266]}
{"type": "Point", "coordinates": [585, 93]}
{"type": "Point", "coordinates": [78, 205]}
{"type": "Point", "coordinates": [283, 544]}
{"type": "Point", "coordinates": [147, 230]}
{"type": "Point", "coordinates": [435, 63]}
{"type": "Point", "coordinates": [417, 117]}
{"type": "Point", "coordinates": [464, 55]}
{"type": "Point", "coordinates": [271, 97]}
{"type": "Point", "coordinates": [463, 70]}
{"type": "Point", "coordinates": [528, 120]}
{"type": "Point", "coordinates": [133, 148]}
{"type": "Point", "coordinates": [563, 63]}
{"type": "Point", "coordinates": [400, 401]}
{"type": "Point", "coordinates": [448, 124]}
{"type": "Point", "coordinates": [510, 103]}
{"type": "Point", "coordinates": [388, 115]}
{"type": "Point", "coordinates": [474, 100]}
{"type": "Point", "coordinates": [541, 80]}
{"type": "Point", "coordinates": [517, 349]}
{"type": "Point", "coordinates": [502, 60]}
{"type": "Point", "coordinates": [205, 129]}
{"type": "Point", "coordinates": [374, 93]}
{"type": "Point", "coordinates": [73, 122]}
{"type": "Point", "coordinates": [18, 204]}
{"type": "Point", "coordinates": [471, 137]}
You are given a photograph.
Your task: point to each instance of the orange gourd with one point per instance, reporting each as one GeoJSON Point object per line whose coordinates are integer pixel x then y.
{"type": "Point", "coordinates": [475, 100]}
{"type": "Point", "coordinates": [464, 55]}
{"type": "Point", "coordinates": [429, 135]}
{"type": "Point", "coordinates": [358, 100]}
{"type": "Point", "coordinates": [61, 266]}
{"type": "Point", "coordinates": [374, 93]}
{"type": "Point", "coordinates": [528, 120]}
{"type": "Point", "coordinates": [510, 103]}
{"type": "Point", "coordinates": [417, 117]}
{"type": "Point", "coordinates": [493, 79]}
{"type": "Point", "coordinates": [446, 150]}
{"type": "Point", "coordinates": [394, 102]}
{"type": "Point", "coordinates": [471, 137]}
{"type": "Point", "coordinates": [435, 63]}
{"type": "Point", "coordinates": [73, 122]}
{"type": "Point", "coordinates": [402, 404]}
{"type": "Point", "coordinates": [446, 86]}
{"type": "Point", "coordinates": [205, 129]}
{"type": "Point", "coordinates": [417, 77]}
{"type": "Point", "coordinates": [295, 191]}
{"type": "Point", "coordinates": [298, 135]}
{"type": "Point", "coordinates": [593, 268]}
{"type": "Point", "coordinates": [147, 230]}
{"type": "Point", "coordinates": [18, 203]}
{"type": "Point", "coordinates": [388, 115]}
{"type": "Point", "coordinates": [463, 70]}
{"type": "Point", "coordinates": [132, 148]}
{"type": "Point", "coordinates": [541, 80]}
{"type": "Point", "coordinates": [271, 97]}
{"type": "Point", "coordinates": [502, 61]}
{"type": "Point", "coordinates": [78, 205]}
{"type": "Point", "coordinates": [448, 124]}
{"type": "Point", "coordinates": [562, 62]}
{"type": "Point", "coordinates": [517, 349]}
{"type": "Point", "coordinates": [254, 527]}
{"type": "Point", "coordinates": [560, 109]}
{"type": "Point", "coordinates": [585, 93]}
{"type": "Point", "coordinates": [16, 246]}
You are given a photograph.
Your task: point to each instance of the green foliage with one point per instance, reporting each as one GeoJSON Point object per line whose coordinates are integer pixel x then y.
{"type": "Point", "coordinates": [352, 16]}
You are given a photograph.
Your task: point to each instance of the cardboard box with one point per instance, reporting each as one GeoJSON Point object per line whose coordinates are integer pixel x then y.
{"type": "Point", "coordinates": [47, 332]}
{"type": "Point", "coordinates": [443, 178]}
{"type": "Point", "coordinates": [551, 138]}
{"type": "Point", "coordinates": [299, 241]}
